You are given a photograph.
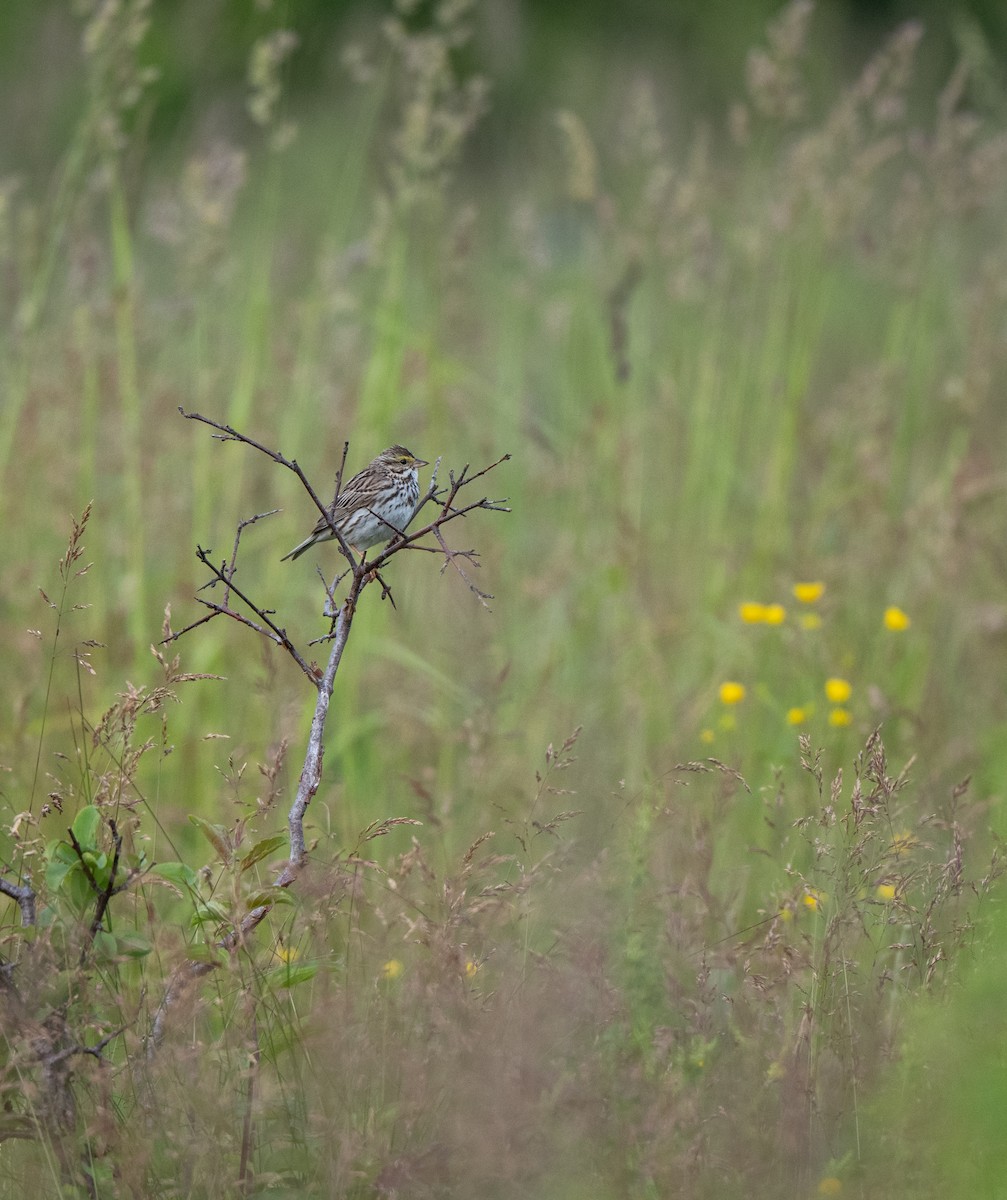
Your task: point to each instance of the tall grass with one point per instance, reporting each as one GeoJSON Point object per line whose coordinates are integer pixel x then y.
{"type": "Point", "coordinates": [764, 355]}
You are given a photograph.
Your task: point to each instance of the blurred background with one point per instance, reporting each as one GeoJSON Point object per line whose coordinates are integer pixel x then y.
{"type": "Point", "coordinates": [729, 284]}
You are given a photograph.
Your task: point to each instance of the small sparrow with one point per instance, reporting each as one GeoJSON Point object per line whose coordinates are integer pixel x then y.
{"type": "Point", "coordinates": [377, 503]}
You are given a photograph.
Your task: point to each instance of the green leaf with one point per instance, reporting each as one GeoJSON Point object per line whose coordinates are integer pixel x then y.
{"type": "Point", "coordinates": [206, 952]}
{"type": "Point", "coordinates": [97, 862]}
{"type": "Point", "coordinates": [61, 852]}
{"type": "Point", "coordinates": [178, 873]}
{"type": "Point", "coordinates": [85, 827]}
{"type": "Point", "coordinates": [209, 911]}
{"type": "Point", "coordinates": [132, 945]}
{"type": "Point", "coordinates": [104, 945]}
{"type": "Point", "coordinates": [216, 835]}
{"type": "Point", "coordinates": [289, 976]}
{"type": "Point", "coordinates": [269, 895]}
{"type": "Point", "coordinates": [68, 881]}
{"type": "Point", "coordinates": [57, 871]}
{"type": "Point", "coordinates": [136, 863]}
{"type": "Point", "coordinates": [13, 1125]}
{"type": "Point", "coordinates": [261, 849]}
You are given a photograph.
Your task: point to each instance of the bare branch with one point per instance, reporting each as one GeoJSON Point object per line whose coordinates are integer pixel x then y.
{"type": "Point", "coordinates": [311, 773]}
{"type": "Point", "coordinates": [25, 897]}
{"type": "Point", "coordinates": [229, 434]}
{"type": "Point", "coordinates": [242, 526]}
{"type": "Point", "coordinates": [59, 1056]}
{"type": "Point", "coordinates": [268, 629]}
{"type": "Point", "coordinates": [451, 557]}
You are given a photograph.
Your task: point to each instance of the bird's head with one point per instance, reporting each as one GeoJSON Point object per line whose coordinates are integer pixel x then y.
{"type": "Point", "coordinates": [398, 458]}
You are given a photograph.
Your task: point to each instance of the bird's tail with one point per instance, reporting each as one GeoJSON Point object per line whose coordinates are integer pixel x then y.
{"type": "Point", "coordinates": [299, 550]}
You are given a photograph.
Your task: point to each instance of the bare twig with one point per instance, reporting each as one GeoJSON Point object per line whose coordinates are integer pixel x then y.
{"type": "Point", "coordinates": [242, 526]}
{"type": "Point", "coordinates": [59, 1056]}
{"type": "Point", "coordinates": [230, 434]}
{"type": "Point", "coordinates": [450, 559]}
{"type": "Point", "coordinates": [275, 633]}
{"type": "Point", "coordinates": [25, 897]}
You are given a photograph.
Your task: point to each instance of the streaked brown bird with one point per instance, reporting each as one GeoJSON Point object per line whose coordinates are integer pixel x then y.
{"type": "Point", "coordinates": [377, 503]}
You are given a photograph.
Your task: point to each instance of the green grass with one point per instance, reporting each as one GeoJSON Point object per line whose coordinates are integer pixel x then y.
{"type": "Point", "coordinates": [721, 974]}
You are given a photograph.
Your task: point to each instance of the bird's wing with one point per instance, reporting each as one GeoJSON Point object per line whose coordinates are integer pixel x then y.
{"type": "Point", "coordinates": [354, 494]}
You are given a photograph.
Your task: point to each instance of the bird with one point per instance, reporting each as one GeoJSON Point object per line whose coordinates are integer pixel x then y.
{"type": "Point", "coordinates": [377, 503]}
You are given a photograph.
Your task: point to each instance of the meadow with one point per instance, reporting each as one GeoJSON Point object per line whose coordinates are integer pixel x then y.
{"type": "Point", "coordinates": [673, 868]}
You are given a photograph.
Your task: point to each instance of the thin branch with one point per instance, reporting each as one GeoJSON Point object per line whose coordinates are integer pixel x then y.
{"type": "Point", "coordinates": [104, 894]}
{"type": "Point", "coordinates": [339, 474]}
{"type": "Point", "coordinates": [110, 888]}
{"type": "Point", "coordinates": [450, 557]}
{"type": "Point", "coordinates": [311, 773]}
{"type": "Point", "coordinates": [59, 1056]}
{"type": "Point", "coordinates": [269, 629]}
{"type": "Point", "coordinates": [25, 897]}
{"type": "Point", "coordinates": [242, 526]}
{"type": "Point", "coordinates": [230, 434]}
{"type": "Point", "coordinates": [447, 514]}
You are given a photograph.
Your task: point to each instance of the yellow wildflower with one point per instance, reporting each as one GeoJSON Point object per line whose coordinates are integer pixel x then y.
{"type": "Point", "coordinates": [903, 843]}
{"type": "Point", "coordinates": [838, 691]}
{"type": "Point", "coordinates": [830, 1186]}
{"type": "Point", "coordinates": [706, 736]}
{"type": "Point", "coordinates": [752, 612]}
{"type": "Point", "coordinates": [895, 619]}
{"type": "Point", "coordinates": [813, 899]}
{"type": "Point", "coordinates": [796, 716]}
{"type": "Point", "coordinates": [811, 620]}
{"type": "Point", "coordinates": [470, 968]}
{"type": "Point", "coordinates": [776, 614]}
{"type": "Point", "coordinates": [808, 593]}
{"type": "Point", "coordinates": [840, 717]}
{"type": "Point", "coordinates": [886, 891]}
{"type": "Point", "coordinates": [392, 969]}
{"type": "Point", "coordinates": [731, 692]}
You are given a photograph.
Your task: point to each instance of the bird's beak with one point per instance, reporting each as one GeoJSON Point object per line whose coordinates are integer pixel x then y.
{"type": "Point", "coordinates": [420, 462]}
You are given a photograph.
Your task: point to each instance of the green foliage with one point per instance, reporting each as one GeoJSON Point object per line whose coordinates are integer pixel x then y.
{"type": "Point", "coordinates": [948, 1089]}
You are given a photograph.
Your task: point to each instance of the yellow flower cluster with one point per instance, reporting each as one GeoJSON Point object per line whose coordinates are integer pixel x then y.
{"type": "Point", "coordinates": [838, 691]}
